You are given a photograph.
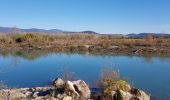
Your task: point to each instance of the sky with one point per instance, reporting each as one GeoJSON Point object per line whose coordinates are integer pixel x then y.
{"type": "Point", "coordinates": [103, 16]}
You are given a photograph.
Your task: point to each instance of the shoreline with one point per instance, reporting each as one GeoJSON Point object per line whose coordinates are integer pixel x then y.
{"type": "Point", "coordinates": [85, 43]}
{"type": "Point", "coordinates": [70, 90]}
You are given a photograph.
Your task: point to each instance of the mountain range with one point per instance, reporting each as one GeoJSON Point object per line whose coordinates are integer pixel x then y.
{"type": "Point", "coordinates": [132, 35]}
{"type": "Point", "coordinates": [14, 29]}
{"type": "Point", "coordinates": [143, 35]}
{"type": "Point", "coordinates": [11, 29]}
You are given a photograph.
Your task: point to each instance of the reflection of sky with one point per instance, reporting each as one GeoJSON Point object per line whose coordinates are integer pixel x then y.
{"type": "Point", "coordinates": [147, 74]}
{"type": "Point", "coordinates": [8, 64]}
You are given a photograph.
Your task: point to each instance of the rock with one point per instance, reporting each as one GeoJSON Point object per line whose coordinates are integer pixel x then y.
{"type": "Point", "coordinates": [58, 83]}
{"type": "Point", "coordinates": [67, 98]}
{"type": "Point", "coordinates": [114, 46]}
{"type": "Point", "coordinates": [52, 98]}
{"type": "Point", "coordinates": [28, 94]}
{"type": "Point", "coordinates": [126, 95]}
{"type": "Point", "coordinates": [135, 92]}
{"type": "Point", "coordinates": [82, 88]}
{"type": "Point", "coordinates": [59, 96]}
{"type": "Point", "coordinates": [35, 94]}
{"type": "Point", "coordinates": [38, 98]}
{"type": "Point", "coordinates": [17, 94]}
{"type": "Point", "coordinates": [128, 87]}
{"type": "Point", "coordinates": [87, 46]}
{"type": "Point", "coordinates": [41, 88]}
{"type": "Point", "coordinates": [76, 90]}
{"type": "Point", "coordinates": [4, 94]}
{"type": "Point", "coordinates": [144, 96]}
{"type": "Point", "coordinates": [113, 93]}
{"type": "Point", "coordinates": [70, 90]}
{"type": "Point", "coordinates": [135, 95]}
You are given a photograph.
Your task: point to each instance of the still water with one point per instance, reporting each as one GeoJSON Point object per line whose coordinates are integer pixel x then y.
{"type": "Point", "coordinates": [150, 74]}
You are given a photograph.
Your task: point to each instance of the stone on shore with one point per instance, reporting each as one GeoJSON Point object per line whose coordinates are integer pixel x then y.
{"type": "Point", "coordinates": [58, 83]}
{"type": "Point", "coordinates": [82, 88]}
{"type": "Point", "coordinates": [76, 90]}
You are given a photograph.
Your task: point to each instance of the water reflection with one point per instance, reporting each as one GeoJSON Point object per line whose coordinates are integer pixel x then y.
{"type": "Point", "coordinates": [29, 55]}
{"type": "Point", "coordinates": [32, 55]}
{"type": "Point", "coordinates": [16, 57]}
{"type": "Point", "coordinates": [38, 68]}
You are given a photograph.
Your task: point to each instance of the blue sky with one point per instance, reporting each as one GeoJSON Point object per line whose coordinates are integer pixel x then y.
{"type": "Point", "coordinates": [104, 16]}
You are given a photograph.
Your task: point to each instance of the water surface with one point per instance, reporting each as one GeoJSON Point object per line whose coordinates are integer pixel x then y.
{"type": "Point", "coordinates": [150, 74]}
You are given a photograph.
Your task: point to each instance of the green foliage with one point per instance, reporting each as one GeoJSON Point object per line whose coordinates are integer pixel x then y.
{"type": "Point", "coordinates": [110, 81]}
{"type": "Point", "coordinates": [115, 85]}
{"type": "Point", "coordinates": [30, 37]}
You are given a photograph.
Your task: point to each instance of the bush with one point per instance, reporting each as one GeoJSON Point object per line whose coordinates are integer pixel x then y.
{"type": "Point", "coordinates": [30, 37]}
{"type": "Point", "coordinates": [19, 40]}
{"type": "Point", "coordinates": [110, 81]}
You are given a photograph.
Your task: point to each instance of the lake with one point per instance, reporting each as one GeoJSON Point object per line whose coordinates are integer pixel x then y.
{"type": "Point", "coordinates": [27, 69]}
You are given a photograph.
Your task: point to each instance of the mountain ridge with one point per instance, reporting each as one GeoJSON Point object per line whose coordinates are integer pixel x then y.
{"type": "Point", "coordinates": [29, 30]}
{"type": "Point", "coordinates": [11, 29]}
{"type": "Point", "coordinates": [38, 30]}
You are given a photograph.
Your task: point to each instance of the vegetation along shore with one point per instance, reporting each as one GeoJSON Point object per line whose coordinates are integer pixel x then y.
{"type": "Point", "coordinates": [92, 43]}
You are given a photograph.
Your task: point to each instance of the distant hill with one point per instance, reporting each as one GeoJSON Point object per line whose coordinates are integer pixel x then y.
{"type": "Point", "coordinates": [143, 35]}
{"type": "Point", "coordinates": [132, 35]}
{"type": "Point", "coordinates": [12, 29]}
{"type": "Point", "coordinates": [5, 29]}
{"type": "Point", "coordinates": [41, 30]}
{"type": "Point", "coordinates": [89, 32]}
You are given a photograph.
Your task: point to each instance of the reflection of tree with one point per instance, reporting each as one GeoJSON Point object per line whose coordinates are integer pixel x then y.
{"type": "Point", "coordinates": [15, 58]}
{"type": "Point", "coordinates": [149, 59]}
{"type": "Point", "coordinates": [15, 61]}
{"type": "Point", "coordinates": [29, 55]}
{"type": "Point", "coordinates": [164, 58]}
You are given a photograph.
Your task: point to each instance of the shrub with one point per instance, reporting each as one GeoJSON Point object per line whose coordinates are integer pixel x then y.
{"type": "Point", "coordinates": [30, 37]}
{"type": "Point", "coordinates": [110, 81]}
{"type": "Point", "coordinates": [19, 39]}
